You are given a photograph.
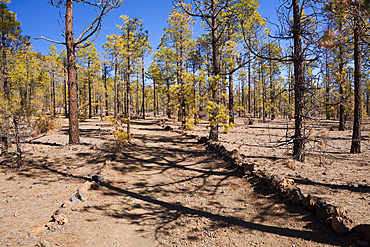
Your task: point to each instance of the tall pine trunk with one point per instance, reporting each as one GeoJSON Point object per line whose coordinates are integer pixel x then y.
{"type": "Point", "coordinates": [298, 143]}
{"type": "Point", "coordinates": [356, 134]}
{"type": "Point", "coordinates": [115, 87]}
{"type": "Point", "coordinates": [213, 134]}
{"type": "Point", "coordinates": [74, 135]}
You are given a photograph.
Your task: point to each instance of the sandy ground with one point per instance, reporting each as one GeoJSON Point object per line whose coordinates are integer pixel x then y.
{"type": "Point", "coordinates": [163, 189]}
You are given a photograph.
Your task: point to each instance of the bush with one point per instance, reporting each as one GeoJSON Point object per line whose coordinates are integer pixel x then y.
{"type": "Point", "coordinates": [43, 124]}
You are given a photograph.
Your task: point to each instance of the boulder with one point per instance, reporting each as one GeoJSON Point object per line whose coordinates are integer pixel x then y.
{"type": "Point", "coordinates": [312, 202]}
{"type": "Point", "coordinates": [325, 211]}
{"type": "Point", "coordinates": [296, 196]}
{"type": "Point", "coordinates": [85, 186]}
{"type": "Point", "coordinates": [364, 231]}
{"type": "Point", "coordinates": [341, 221]}
{"type": "Point", "coordinates": [202, 140]}
{"type": "Point", "coordinates": [247, 168]}
{"type": "Point", "coordinates": [168, 128]}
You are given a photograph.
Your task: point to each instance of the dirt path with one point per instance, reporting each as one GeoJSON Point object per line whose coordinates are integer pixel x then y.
{"type": "Point", "coordinates": [163, 190]}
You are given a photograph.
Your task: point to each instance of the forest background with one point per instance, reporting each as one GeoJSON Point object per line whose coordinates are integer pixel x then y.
{"type": "Point", "coordinates": [311, 64]}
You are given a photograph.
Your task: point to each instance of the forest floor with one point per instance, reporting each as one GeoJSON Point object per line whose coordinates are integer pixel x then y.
{"type": "Point", "coordinates": [165, 189]}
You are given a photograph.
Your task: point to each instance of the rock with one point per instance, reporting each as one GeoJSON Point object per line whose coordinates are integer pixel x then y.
{"type": "Point", "coordinates": [52, 226]}
{"type": "Point", "coordinates": [295, 196]}
{"type": "Point", "coordinates": [202, 140]}
{"type": "Point", "coordinates": [247, 167]}
{"type": "Point", "coordinates": [61, 219]}
{"type": "Point", "coordinates": [80, 195]}
{"type": "Point", "coordinates": [74, 199]}
{"type": "Point", "coordinates": [341, 221]}
{"type": "Point", "coordinates": [99, 179]}
{"type": "Point", "coordinates": [43, 243]}
{"type": "Point", "coordinates": [362, 243]}
{"type": "Point", "coordinates": [313, 202]}
{"type": "Point", "coordinates": [274, 181]}
{"type": "Point", "coordinates": [168, 128]}
{"type": "Point", "coordinates": [234, 156]}
{"type": "Point", "coordinates": [85, 186]}
{"type": "Point", "coordinates": [364, 231]}
{"type": "Point", "coordinates": [325, 212]}
{"type": "Point", "coordinates": [38, 231]}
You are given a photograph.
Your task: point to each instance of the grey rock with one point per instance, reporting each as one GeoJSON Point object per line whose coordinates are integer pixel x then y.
{"type": "Point", "coordinates": [80, 195]}
{"type": "Point", "coordinates": [74, 199]}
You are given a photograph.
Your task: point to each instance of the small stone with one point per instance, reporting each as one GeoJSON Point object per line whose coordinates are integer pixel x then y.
{"type": "Point", "coordinates": [98, 178]}
{"type": "Point", "coordinates": [43, 243]}
{"type": "Point", "coordinates": [168, 128]}
{"type": "Point", "coordinates": [80, 195]}
{"type": "Point", "coordinates": [74, 199]}
{"type": "Point", "coordinates": [325, 211]}
{"type": "Point", "coordinates": [296, 196]}
{"type": "Point", "coordinates": [52, 226]}
{"type": "Point", "coordinates": [60, 219]}
{"type": "Point", "coordinates": [341, 221]}
{"type": "Point", "coordinates": [202, 140]}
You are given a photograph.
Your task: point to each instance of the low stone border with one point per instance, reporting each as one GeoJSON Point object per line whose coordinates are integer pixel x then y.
{"type": "Point", "coordinates": [341, 220]}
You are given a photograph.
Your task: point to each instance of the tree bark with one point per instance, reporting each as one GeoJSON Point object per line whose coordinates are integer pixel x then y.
{"type": "Point", "coordinates": [249, 84]}
{"type": "Point", "coordinates": [74, 137]}
{"type": "Point", "coordinates": [231, 99]}
{"type": "Point", "coordinates": [89, 84]}
{"type": "Point", "coordinates": [106, 90]}
{"type": "Point", "coordinates": [128, 86]}
{"type": "Point", "coordinates": [213, 134]}
{"type": "Point", "coordinates": [356, 134]}
{"type": "Point", "coordinates": [298, 143]}
{"type": "Point", "coordinates": [143, 81]}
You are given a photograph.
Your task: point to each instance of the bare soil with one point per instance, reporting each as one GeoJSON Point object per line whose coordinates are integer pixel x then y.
{"type": "Point", "coordinates": [164, 189]}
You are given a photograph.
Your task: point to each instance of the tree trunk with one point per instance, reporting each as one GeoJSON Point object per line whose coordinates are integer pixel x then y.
{"type": "Point", "coordinates": [115, 87]}
{"type": "Point", "coordinates": [327, 86]}
{"type": "Point", "coordinates": [53, 94]}
{"type": "Point", "coordinates": [128, 87]}
{"type": "Point", "coordinates": [65, 100]}
{"type": "Point", "coordinates": [106, 90]}
{"type": "Point", "coordinates": [263, 95]}
{"type": "Point", "coordinates": [154, 99]}
{"type": "Point", "coordinates": [231, 99]}
{"type": "Point", "coordinates": [356, 134]}
{"type": "Point", "coordinates": [272, 87]}
{"type": "Point", "coordinates": [213, 134]}
{"type": "Point", "coordinates": [89, 84]}
{"type": "Point", "coordinates": [249, 84]}
{"type": "Point", "coordinates": [298, 143]}
{"type": "Point", "coordinates": [74, 137]}
{"type": "Point", "coordinates": [143, 80]}
{"type": "Point", "coordinates": [27, 86]}
{"type": "Point", "coordinates": [341, 81]}
{"type": "Point", "coordinates": [168, 98]}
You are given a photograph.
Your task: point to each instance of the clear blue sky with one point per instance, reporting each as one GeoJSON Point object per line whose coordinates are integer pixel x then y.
{"type": "Point", "coordinates": [41, 19]}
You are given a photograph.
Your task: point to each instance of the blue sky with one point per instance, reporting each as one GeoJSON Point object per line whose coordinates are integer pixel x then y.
{"type": "Point", "coordinates": [41, 19]}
